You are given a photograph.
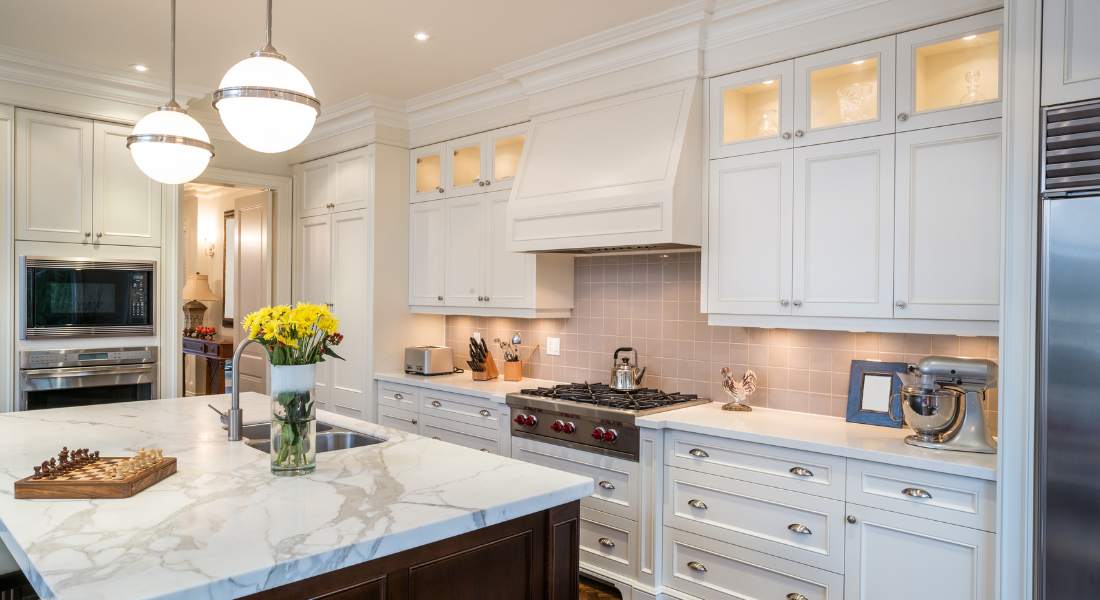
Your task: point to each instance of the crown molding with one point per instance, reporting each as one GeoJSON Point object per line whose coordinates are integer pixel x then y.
{"type": "Point", "coordinates": [736, 20]}
{"type": "Point", "coordinates": [361, 111]}
{"type": "Point", "coordinates": [482, 93]}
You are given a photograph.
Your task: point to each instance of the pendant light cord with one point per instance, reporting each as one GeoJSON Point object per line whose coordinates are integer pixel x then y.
{"type": "Point", "coordinates": [172, 61]}
{"type": "Point", "coordinates": [268, 23]}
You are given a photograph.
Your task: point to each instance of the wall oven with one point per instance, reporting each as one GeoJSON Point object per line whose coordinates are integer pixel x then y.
{"type": "Point", "coordinates": [84, 376]}
{"type": "Point", "coordinates": [79, 297]}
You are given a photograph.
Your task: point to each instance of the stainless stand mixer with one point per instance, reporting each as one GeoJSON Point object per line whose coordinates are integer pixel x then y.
{"type": "Point", "coordinates": [942, 401]}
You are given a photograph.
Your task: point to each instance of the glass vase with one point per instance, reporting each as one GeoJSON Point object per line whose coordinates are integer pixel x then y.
{"type": "Point", "coordinates": [293, 420]}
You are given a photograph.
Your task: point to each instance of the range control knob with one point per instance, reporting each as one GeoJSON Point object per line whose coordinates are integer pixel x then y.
{"type": "Point", "coordinates": [558, 426]}
{"type": "Point", "coordinates": [610, 435]}
{"type": "Point", "coordinates": [530, 420]}
{"type": "Point", "coordinates": [521, 419]}
{"type": "Point", "coordinates": [569, 427]}
{"type": "Point", "coordinates": [597, 433]}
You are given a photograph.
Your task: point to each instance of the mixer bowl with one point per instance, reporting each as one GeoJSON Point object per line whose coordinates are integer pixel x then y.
{"type": "Point", "coordinates": [930, 412]}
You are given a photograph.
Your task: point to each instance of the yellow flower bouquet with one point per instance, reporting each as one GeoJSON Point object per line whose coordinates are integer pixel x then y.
{"type": "Point", "coordinates": [296, 339]}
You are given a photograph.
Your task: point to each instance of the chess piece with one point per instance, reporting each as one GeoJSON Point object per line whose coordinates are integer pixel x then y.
{"type": "Point", "coordinates": [95, 455]}
{"type": "Point", "coordinates": [37, 472]}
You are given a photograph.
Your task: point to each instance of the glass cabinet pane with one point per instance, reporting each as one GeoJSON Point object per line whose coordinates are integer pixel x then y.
{"type": "Point", "coordinates": [466, 166]}
{"type": "Point", "coordinates": [957, 72]}
{"type": "Point", "coordinates": [750, 112]}
{"type": "Point", "coordinates": [506, 153]}
{"type": "Point", "coordinates": [428, 175]}
{"type": "Point", "coordinates": [844, 94]}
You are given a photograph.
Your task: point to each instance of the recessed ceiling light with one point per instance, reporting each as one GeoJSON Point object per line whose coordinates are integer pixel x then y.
{"type": "Point", "coordinates": [140, 68]}
{"type": "Point", "coordinates": [858, 62]}
{"type": "Point", "coordinates": [768, 82]}
{"type": "Point", "coordinates": [972, 36]}
{"type": "Point", "coordinates": [421, 36]}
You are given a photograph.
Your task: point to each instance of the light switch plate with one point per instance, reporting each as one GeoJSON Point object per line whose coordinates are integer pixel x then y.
{"type": "Point", "coordinates": [553, 346]}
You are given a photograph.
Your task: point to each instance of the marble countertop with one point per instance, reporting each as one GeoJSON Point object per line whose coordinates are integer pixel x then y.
{"type": "Point", "coordinates": [223, 526]}
{"type": "Point", "coordinates": [816, 433]}
{"type": "Point", "coordinates": [461, 383]}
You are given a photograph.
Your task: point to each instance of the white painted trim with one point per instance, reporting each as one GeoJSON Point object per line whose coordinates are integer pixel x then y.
{"type": "Point", "coordinates": [512, 313]}
{"type": "Point", "coordinates": [925, 326]}
{"type": "Point", "coordinates": [7, 259]}
{"type": "Point", "coordinates": [1016, 464]}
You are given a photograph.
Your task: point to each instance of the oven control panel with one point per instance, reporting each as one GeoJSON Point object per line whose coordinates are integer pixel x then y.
{"type": "Point", "coordinates": [601, 435]}
{"type": "Point", "coordinates": [83, 357]}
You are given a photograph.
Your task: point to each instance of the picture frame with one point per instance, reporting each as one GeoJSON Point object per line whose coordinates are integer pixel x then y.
{"type": "Point", "coordinates": [873, 388]}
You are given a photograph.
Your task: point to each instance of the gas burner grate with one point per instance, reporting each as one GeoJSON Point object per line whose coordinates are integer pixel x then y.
{"type": "Point", "coordinates": [601, 394]}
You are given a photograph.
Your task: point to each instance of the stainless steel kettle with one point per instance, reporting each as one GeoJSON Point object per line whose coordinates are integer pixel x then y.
{"type": "Point", "coordinates": [625, 376]}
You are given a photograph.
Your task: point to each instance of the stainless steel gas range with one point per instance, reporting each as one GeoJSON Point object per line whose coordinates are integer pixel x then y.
{"type": "Point", "coordinates": [591, 417]}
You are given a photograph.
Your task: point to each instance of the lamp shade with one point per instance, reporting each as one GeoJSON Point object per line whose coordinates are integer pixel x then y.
{"type": "Point", "coordinates": [266, 103]}
{"type": "Point", "coordinates": [198, 288]}
{"type": "Point", "coordinates": [170, 146]}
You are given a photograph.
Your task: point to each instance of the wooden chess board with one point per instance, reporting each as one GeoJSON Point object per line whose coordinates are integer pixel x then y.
{"type": "Point", "coordinates": [92, 481]}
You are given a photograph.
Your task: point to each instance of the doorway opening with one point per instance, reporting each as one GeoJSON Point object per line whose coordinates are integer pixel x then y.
{"type": "Point", "coordinates": [225, 262]}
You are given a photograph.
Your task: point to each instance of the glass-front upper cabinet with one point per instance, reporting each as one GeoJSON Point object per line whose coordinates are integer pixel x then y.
{"type": "Point", "coordinates": [505, 148]}
{"type": "Point", "coordinates": [428, 172]}
{"type": "Point", "coordinates": [950, 73]}
{"type": "Point", "coordinates": [845, 93]}
{"type": "Point", "coordinates": [466, 155]}
{"type": "Point", "coordinates": [751, 111]}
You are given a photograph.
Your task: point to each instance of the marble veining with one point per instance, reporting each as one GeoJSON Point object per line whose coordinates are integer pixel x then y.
{"type": "Point", "coordinates": [223, 526]}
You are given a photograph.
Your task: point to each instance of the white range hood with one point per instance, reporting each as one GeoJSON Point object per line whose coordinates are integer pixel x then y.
{"type": "Point", "coordinates": [624, 173]}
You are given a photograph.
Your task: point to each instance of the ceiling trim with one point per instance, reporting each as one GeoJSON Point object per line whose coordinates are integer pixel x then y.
{"type": "Point", "coordinates": [737, 20]}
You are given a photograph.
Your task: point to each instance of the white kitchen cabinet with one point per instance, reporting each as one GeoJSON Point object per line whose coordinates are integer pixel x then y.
{"type": "Point", "coordinates": [504, 149]}
{"type": "Point", "coordinates": [752, 111]}
{"type": "Point", "coordinates": [427, 254]}
{"type": "Point", "coordinates": [950, 73]}
{"type": "Point", "coordinates": [333, 184]}
{"type": "Point", "coordinates": [53, 177]}
{"type": "Point", "coordinates": [312, 180]}
{"type": "Point", "coordinates": [947, 236]}
{"type": "Point", "coordinates": [749, 252]}
{"type": "Point", "coordinates": [314, 285]}
{"type": "Point", "coordinates": [466, 161]}
{"type": "Point", "coordinates": [881, 547]}
{"type": "Point", "coordinates": [483, 162]}
{"type": "Point", "coordinates": [508, 275]}
{"type": "Point", "coordinates": [843, 228]}
{"type": "Point", "coordinates": [126, 204]}
{"type": "Point", "coordinates": [1071, 51]}
{"type": "Point", "coordinates": [470, 421]}
{"type": "Point", "coordinates": [464, 251]}
{"type": "Point", "coordinates": [844, 93]}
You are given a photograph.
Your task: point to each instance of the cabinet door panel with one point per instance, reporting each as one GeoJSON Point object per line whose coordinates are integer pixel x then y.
{"type": "Point", "coordinates": [428, 172]}
{"type": "Point", "coordinates": [845, 93]}
{"type": "Point", "coordinates": [960, 558]}
{"type": "Point", "coordinates": [752, 111]}
{"type": "Point", "coordinates": [313, 281]}
{"type": "Point", "coordinates": [1071, 51]}
{"type": "Point", "coordinates": [750, 234]}
{"type": "Point", "coordinates": [465, 251]}
{"type": "Point", "coordinates": [947, 222]}
{"type": "Point", "coordinates": [427, 240]}
{"type": "Point", "coordinates": [509, 275]}
{"type": "Point", "coordinates": [315, 192]}
{"type": "Point", "coordinates": [53, 177]}
{"type": "Point", "coordinates": [126, 204]}
{"type": "Point", "coordinates": [466, 159]}
{"type": "Point", "coordinates": [350, 180]}
{"type": "Point", "coordinates": [504, 148]}
{"type": "Point", "coordinates": [843, 228]}
{"type": "Point", "coordinates": [350, 255]}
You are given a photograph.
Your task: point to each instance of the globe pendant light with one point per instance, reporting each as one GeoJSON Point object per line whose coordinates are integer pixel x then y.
{"type": "Point", "coordinates": [265, 102]}
{"type": "Point", "coordinates": [168, 145]}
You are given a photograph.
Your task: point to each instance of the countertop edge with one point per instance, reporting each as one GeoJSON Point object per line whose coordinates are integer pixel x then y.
{"type": "Point", "coordinates": [439, 383]}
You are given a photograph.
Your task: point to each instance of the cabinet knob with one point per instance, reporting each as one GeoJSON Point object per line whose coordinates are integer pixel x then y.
{"type": "Point", "coordinates": [784, 302]}
{"type": "Point", "coordinates": [485, 413]}
{"type": "Point", "coordinates": [87, 234]}
{"type": "Point", "coordinates": [398, 396]}
{"type": "Point", "coordinates": [799, 133]}
{"type": "Point", "coordinates": [786, 135]}
{"type": "Point", "coordinates": [440, 298]}
{"type": "Point", "coordinates": [99, 234]}
{"type": "Point", "coordinates": [798, 303]}
{"type": "Point", "coordinates": [486, 298]}
{"type": "Point", "coordinates": [414, 421]}
{"type": "Point", "coordinates": [481, 298]}
{"type": "Point", "coordinates": [900, 304]}
{"type": "Point", "coordinates": [903, 117]}
{"type": "Point", "coordinates": [439, 189]}
{"type": "Point", "coordinates": [437, 403]}
{"type": "Point", "coordinates": [851, 519]}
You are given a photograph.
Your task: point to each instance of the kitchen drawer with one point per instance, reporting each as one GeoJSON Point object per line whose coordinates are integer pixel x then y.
{"type": "Point", "coordinates": [398, 396]}
{"type": "Point", "coordinates": [808, 472]}
{"type": "Point", "coordinates": [397, 418]}
{"type": "Point", "coordinates": [800, 527]}
{"type": "Point", "coordinates": [949, 498]}
{"type": "Point", "coordinates": [470, 436]}
{"type": "Point", "coordinates": [615, 478]}
{"type": "Point", "coordinates": [465, 409]}
{"type": "Point", "coordinates": [607, 542]}
{"type": "Point", "coordinates": [717, 571]}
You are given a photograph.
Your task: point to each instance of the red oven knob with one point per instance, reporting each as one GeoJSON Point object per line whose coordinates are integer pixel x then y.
{"type": "Point", "coordinates": [610, 435]}
{"type": "Point", "coordinates": [597, 433]}
{"type": "Point", "coordinates": [520, 419]}
{"type": "Point", "coordinates": [530, 420]}
{"type": "Point", "coordinates": [569, 427]}
{"type": "Point", "coordinates": [558, 426]}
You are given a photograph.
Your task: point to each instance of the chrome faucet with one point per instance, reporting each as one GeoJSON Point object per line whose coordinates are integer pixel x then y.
{"type": "Point", "coordinates": [236, 415]}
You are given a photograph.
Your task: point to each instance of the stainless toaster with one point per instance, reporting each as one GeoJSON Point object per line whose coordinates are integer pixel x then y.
{"type": "Point", "coordinates": [429, 360]}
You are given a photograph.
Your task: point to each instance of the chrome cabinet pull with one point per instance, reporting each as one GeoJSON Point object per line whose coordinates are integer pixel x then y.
{"type": "Point", "coordinates": [784, 302]}
{"type": "Point", "coordinates": [900, 304]}
{"type": "Point", "coordinates": [87, 234]}
{"type": "Point", "coordinates": [799, 133]}
{"type": "Point", "coordinates": [917, 493]}
{"type": "Point", "coordinates": [486, 298]}
{"type": "Point", "coordinates": [439, 189]}
{"type": "Point", "coordinates": [485, 413]}
{"type": "Point", "coordinates": [481, 298]}
{"type": "Point", "coordinates": [801, 472]}
{"type": "Point", "coordinates": [796, 596]}
{"type": "Point", "coordinates": [697, 503]}
{"type": "Point", "coordinates": [606, 543]}
{"type": "Point", "coordinates": [697, 566]}
{"type": "Point", "coordinates": [786, 135]}
{"type": "Point", "coordinates": [436, 403]}
{"type": "Point", "coordinates": [439, 298]}
{"type": "Point", "coordinates": [99, 234]}
{"type": "Point", "coordinates": [697, 453]}
{"type": "Point", "coordinates": [851, 519]}
{"type": "Point", "coordinates": [484, 449]}
{"type": "Point", "coordinates": [607, 485]}
{"type": "Point", "coordinates": [797, 303]}
{"type": "Point", "coordinates": [903, 117]}
{"type": "Point", "coordinates": [799, 528]}
{"type": "Point", "coordinates": [414, 421]}
{"type": "Point", "coordinates": [398, 396]}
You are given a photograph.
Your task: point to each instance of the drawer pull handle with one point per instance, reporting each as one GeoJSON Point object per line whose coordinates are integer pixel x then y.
{"type": "Point", "coordinates": [801, 472]}
{"type": "Point", "coordinates": [697, 503]}
{"type": "Point", "coordinates": [398, 396]}
{"type": "Point", "coordinates": [485, 413]}
{"type": "Point", "coordinates": [607, 485]}
{"type": "Point", "coordinates": [697, 566]}
{"type": "Point", "coordinates": [799, 528]}
{"type": "Point", "coordinates": [796, 596]}
{"type": "Point", "coordinates": [697, 453]}
{"type": "Point", "coordinates": [436, 403]}
{"type": "Point", "coordinates": [414, 421]}
{"type": "Point", "coordinates": [606, 543]}
{"type": "Point", "coordinates": [917, 493]}
{"type": "Point", "coordinates": [484, 449]}
{"type": "Point", "coordinates": [436, 437]}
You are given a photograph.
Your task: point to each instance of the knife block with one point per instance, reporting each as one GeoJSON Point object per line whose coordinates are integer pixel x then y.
{"type": "Point", "coordinates": [490, 371]}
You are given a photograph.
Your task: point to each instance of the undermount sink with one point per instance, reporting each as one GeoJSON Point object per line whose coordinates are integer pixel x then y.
{"type": "Point", "coordinates": [329, 438]}
{"type": "Point", "coordinates": [262, 431]}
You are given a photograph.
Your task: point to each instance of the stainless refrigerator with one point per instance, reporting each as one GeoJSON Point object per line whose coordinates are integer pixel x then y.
{"type": "Point", "coordinates": [1068, 440]}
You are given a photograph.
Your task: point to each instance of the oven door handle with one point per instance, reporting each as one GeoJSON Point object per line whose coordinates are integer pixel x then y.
{"type": "Point", "coordinates": [63, 378]}
{"type": "Point", "coordinates": [61, 372]}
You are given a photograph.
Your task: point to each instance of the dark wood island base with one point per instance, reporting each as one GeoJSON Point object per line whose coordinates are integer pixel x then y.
{"type": "Point", "coordinates": [536, 557]}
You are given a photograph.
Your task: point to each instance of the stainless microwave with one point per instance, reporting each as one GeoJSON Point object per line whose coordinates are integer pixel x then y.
{"type": "Point", "coordinates": [80, 297]}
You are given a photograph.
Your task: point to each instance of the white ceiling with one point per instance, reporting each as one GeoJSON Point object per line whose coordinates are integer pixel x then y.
{"type": "Point", "coordinates": [347, 48]}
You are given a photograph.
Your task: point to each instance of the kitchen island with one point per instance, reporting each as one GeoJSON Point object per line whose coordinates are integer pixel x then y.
{"type": "Point", "coordinates": [400, 518]}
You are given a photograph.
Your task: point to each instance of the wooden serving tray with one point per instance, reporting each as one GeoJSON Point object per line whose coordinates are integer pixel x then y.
{"type": "Point", "coordinates": [90, 481]}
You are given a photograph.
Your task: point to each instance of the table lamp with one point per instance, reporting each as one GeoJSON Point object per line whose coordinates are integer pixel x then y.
{"type": "Point", "coordinates": [196, 291]}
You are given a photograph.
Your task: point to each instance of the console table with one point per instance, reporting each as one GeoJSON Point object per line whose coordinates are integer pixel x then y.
{"type": "Point", "coordinates": [215, 353]}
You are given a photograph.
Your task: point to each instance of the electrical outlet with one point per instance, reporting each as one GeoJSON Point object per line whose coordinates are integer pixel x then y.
{"type": "Point", "coordinates": [553, 346]}
{"type": "Point", "coordinates": [476, 335]}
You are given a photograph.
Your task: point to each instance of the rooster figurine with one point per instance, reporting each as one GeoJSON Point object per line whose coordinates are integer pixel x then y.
{"type": "Point", "coordinates": [738, 389]}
